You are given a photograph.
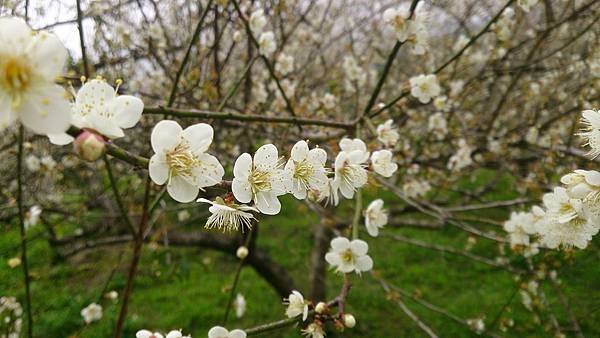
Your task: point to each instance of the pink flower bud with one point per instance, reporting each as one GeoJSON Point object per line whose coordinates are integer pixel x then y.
{"type": "Point", "coordinates": [89, 146]}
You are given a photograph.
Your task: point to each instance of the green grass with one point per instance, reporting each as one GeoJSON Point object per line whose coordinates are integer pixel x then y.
{"type": "Point", "coordinates": [191, 292]}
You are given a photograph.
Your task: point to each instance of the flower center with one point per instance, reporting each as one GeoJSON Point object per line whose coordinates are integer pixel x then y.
{"type": "Point", "coordinates": [181, 160]}
{"type": "Point", "coordinates": [566, 208]}
{"type": "Point", "coordinates": [399, 22]}
{"type": "Point", "coordinates": [15, 77]}
{"type": "Point", "coordinates": [303, 171]}
{"type": "Point", "coordinates": [259, 180]}
{"type": "Point", "coordinates": [347, 256]}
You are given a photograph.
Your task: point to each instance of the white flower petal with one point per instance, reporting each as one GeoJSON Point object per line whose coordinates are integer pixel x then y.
{"type": "Point", "coordinates": [181, 190]}
{"type": "Point", "coordinates": [158, 169]}
{"type": "Point", "coordinates": [166, 135]}
{"type": "Point", "coordinates": [299, 151]}
{"type": "Point", "coordinates": [127, 110]}
{"type": "Point", "coordinates": [218, 332]}
{"type": "Point", "coordinates": [237, 334]}
{"type": "Point", "coordinates": [241, 190]}
{"type": "Point", "coordinates": [267, 203]}
{"type": "Point", "coordinates": [209, 172]}
{"type": "Point", "coordinates": [45, 110]}
{"type": "Point", "coordinates": [60, 139]}
{"type": "Point", "coordinates": [199, 136]}
{"type": "Point", "coordinates": [48, 55]}
{"type": "Point", "coordinates": [104, 126]}
{"type": "Point", "coordinates": [94, 96]}
{"type": "Point", "coordinates": [7, 115]}
{"type": "Point", "coordinates": [174, 334]}
{"type": "Point", "coordinates": [143, 334]}
{"type": "Point", "coordinates": [592, 177]}
{"type": "Point", "coordinates": [318, 155]}
{"type": "Point", "coordinates": [242, 166]}
{"type": "Point", "coordinates": [359, 247]}
{"type": "Point", "coordinates": [340, 244]}
{"type": "Point", "coordinates": [14, 32]}
{"type": "Point", "coordinates": [266, 157]}
{"type": "Point", "coordinates": [364, 263]}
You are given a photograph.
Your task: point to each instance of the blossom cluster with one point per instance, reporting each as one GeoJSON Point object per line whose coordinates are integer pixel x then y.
{"type": "Point", "coordinates": [10, 313]}
{"type": "Point", "coordinates": [570, 215]}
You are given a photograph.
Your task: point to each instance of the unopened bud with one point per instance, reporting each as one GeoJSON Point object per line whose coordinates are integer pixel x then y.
{"type": "Point", "coordinates": [242, 252]}
{"type": "Point", "coordinates": [349, 321]}
{"type": "Point", "coordinates": [320, 308]}
{"type": "Point", "coordinates": [89, 146]}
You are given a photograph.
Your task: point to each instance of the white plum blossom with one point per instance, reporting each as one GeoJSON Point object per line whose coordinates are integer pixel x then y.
{"type": "Point", "coordinates": [383, 163]}
{"type": "Point", "coordinates": [520, 226]}
{"type": "Point", "coordinates": [29, 64]}
{"type": "Point", "coordinates": [267, 44]}
{"type": "Point", "coordinates": [148, 334]}
{"type": "Point", "coordinates": [181, 161]}
{"type": "Point", "coordinates": [350, 173]}
{"type": "Point", "coordinates": [306, 169]}
{"type": "Point", "coordinates": [176, 334]}
{"type": "Point", "coordinates": [48, 162]}
{"type": "Point", "coordinates": [583, 184]}
{"type": "Point", "coordinates": [183, 215]}
{"type": "Point", "coordinates": [399, 20]}
{"type": "Point", "coordinates": [33, 163]}
{"type": "Point", "coordinates": [462, 158]}
{"type": "Point", "coordinates": [476, 324]}
{"type": "Point", "coordinates": [565, 222]}
{"type": "Point", "coordinates": [330, 194]}
{"type": "Point", "coordinates": [33, 216]}
{"type": "Point", "coordinates": [504, 27]}
{"type": "Point", "coordinates": [418, 38]}
{"type": "Point", "coordinates": [590, 119]}
{"type": "Point", "coordinates": [348, 256]}
{"type": "Point", "coordinates": [387, 133]}
{"type": "Point", "coordinates": [91, 313]}
{"type": "Point", "coordinates": [415, 188]}
{"type": "Point", "coordinates": [260, 179]}
{"type": "Point", "coordinates": [424, 87]}
{"type": "Point", "coordinates": [526, 4]}
{"type": "Point", "coordinates": [98, 107]}
{"type": "Point", "coordinates": [329, 101]}
{"type": "Point", "coordinates": [239, 305]}
{"type": "Point", "coordinates": [296, 305]}
{"type": "Point", "coordinates": [375, 217]}
{"type": "Point", "coordinates": [353, 71]}
{"type": "Point", "coordinates": [313, 330]}
{"type": "Point", "coordinates": [257, 21]}
{"type": "Point", "coordinates": [285, 64]}
{"type": "Point", "coordinates": [228, 216]}
{"type": "Point", "coordinates": [438, 125]}
{"type": "Point", "coordinates": [221, 332]}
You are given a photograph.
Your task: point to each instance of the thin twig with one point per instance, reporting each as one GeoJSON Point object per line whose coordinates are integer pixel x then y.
{"type": "Point", "coordinates": [187, 54]}
{"type": "Point", "coordinates": [137, 250]}
{"type": "Point", "coordinates": [86, 70]}
{"type": "Point", "coordinates": [24, 263]}
{"type": "Point", "coordinates": [115, 189]}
